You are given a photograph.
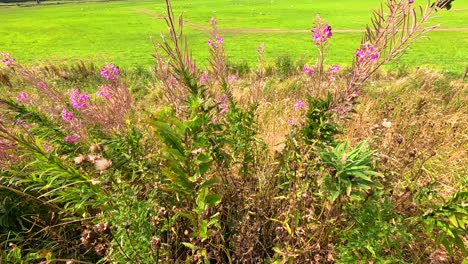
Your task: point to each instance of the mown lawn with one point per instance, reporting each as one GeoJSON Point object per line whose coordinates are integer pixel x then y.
{"type": "Point", "coordinates": [122, 31]}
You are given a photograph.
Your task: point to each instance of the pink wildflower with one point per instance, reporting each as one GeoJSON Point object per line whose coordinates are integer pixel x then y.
{"type": "Point", "coordinates": [223, 105]}
{"type": "Point", "coordinates": [104, 91]}
{"type": "Point", "coordinates": [213, 21]}
{"type": "Point", "coordinates": [110, 72]}
{"type": "Point", "coordinates": [307, 70]}
{"type": "Point", "coordinates": [367, 52]}
{"type": "Point", "coordinates": [204, 78]}
{"type": "Point", "coordinates": [261, 48]}
{"type": "Point", "coordinates": [210, 42]}
{"type": "Point", "coordinates": [22, 97]}
{"type": "Point", "coordinates": [70, 139]}
{"type": "Point", "coordinates": [7, 59]}
{"type": "Point", "coordinates": [300, 104]}
{"type": "Point", "coordinates": [19, 122]}
{"type": "Point", "coordinates": [219, 40]}
{"type": "Point", "coordinates": [78, 100]}
{"type": "Point", "coordinates": [321, 34]}
{"type": "Point", "coordinates": [334, 69]}
{"type": "Point", "coordinates": [410, 1]}
{"type": "Point", "coordinates": [67, 116]}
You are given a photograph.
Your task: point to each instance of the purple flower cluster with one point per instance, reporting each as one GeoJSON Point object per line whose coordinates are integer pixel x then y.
{"type": "Point", "coordinates": [204, 78]}
{"type": "Point", "coordinates": [104, 91]}
{"type": "Point", "coordinates": [367, 52]}
{"type": "Point", "coordinates": [334, 69]}
{"type": "Point", "coordinates": [308, 70]}
{"type": "Point", "coordinates": [300, 104]}
{"type": "Point", "coordinates": [213, 21]}
{"type": "Point", "coordinates": [7, 59]}
{"type": "Point", "coordinates": [219, 41]}
{"type": "Point", "coordinates": [22, 97]}
{"type": "Point", "coordinates": [110, 72]}
{"type": "Point", "coordinates": [71, 139]}
{"type": "Point", "coordinates": [321, 34]}
{"type": "Point", "coordinates": [223, 105]}
{"type": "Point", "coordinates": [67, 116]}
{"type": "Point", "coordinates": [78, 100]}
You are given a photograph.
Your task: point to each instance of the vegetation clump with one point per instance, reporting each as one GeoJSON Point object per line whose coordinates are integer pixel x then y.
{"type": "Point", "coordinates": [103, 174]}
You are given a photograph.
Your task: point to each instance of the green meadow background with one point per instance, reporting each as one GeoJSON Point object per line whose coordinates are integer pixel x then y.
{"type": "Point", "coordinates": [123, 32]}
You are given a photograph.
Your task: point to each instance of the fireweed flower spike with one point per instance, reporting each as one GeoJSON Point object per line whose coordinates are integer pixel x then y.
{"type": "Point", "coordinates": [307, 70]}
{"type": "Point", "coordinates": [110, 72]}
{"type": "Point", "coordinates": [334, 69]}
{"type": "Point", "coordinates": [300, 104]}
{"type": "Point", "coordinates": [321, 33]}
{"type": "Point", "coordinates": [67, 116]}
{"type": "Point", "coordinates": [78, 100]}
{"type": "Point", "coordinates": [213, 21]}
{"type": "Point", "coordinates": [70, 139]}
{"type": "Point", "coordinates": [104, 91]}
{"type": "Point", "coordinates": [22, 97]}
{"type": "Point", "coordinates": [204, 78]}
{"type": "Point", "coordinates": [367, 52]}
{"type": "Point", "coordinates": [7, 59]}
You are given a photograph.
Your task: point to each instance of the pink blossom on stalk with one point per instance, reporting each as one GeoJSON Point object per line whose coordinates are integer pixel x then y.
{"type": "Point", "coordinates": [110, 72]}
{"type": "Point", "coordinates": [300, 104]}
{"type": "Point", "coordinates": [7, 59]}
{"type": "Point", "coordinates": [261, 48]}
{"type": "Point", "coordinates": [210, 42]}
{"type": "Point", "coordinates": [204, 78]}
{"type": "Point", "coordinates": [334, 69]}
{"type": "Point", "coordinates": [104, 91]}
{"type": "Point", "coordinates": [70, 139]}
{"type": "Point", "coordinates": [367, 52]}
{"type": "Point", "coordinates": [22, 97]}
{"type": "Point", "coordinates": [307, 70]}
{"type": "Point", "coordinates": [410, 1]}
{"type": "Point", "coordinates": [321, 34]}
{"type": "Point", "coordinates": [67, 116]}
{"type": "Point", "coordinates": [219, 41]}
{"type": "Point", "coordinates": [223, 105]}
{"type": "Point", "coordinates": [77, 99]}
{"type": "Point", "coordinates": [19, 122]}
{"type": "Point", "coordinates": [213, 21]}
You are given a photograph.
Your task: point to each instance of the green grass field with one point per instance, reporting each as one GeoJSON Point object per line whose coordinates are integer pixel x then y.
{"type": "Point", "coordinates": [121, 31]}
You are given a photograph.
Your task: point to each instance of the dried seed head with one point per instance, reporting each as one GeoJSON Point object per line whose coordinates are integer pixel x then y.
{"type": "Point", "coordinates": [101, 249]}
{"type": "Point", "coordinates": [162, 211]}
{"type": "Point", "coordinates": [92, 158]}
{"type": "Point", "coordinates": [79, 159]}
{"type": "Point", "coordinates": [87, 237]}
{"type": "Point", "coordinates": [102, 228]}
{"type": "Point", "coordinates": [155, 243]}
{"type": "Point", "coordinates": [386, 124]}
{"type": "Point", "coordinates": [95, 148]}
{"type": "Point", "coordinates": [102, 164]}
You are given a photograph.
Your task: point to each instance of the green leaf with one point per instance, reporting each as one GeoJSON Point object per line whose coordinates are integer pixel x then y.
{"type": "Point", "coordinates": [189, 245]}
{"type": "Point", "coordinates": [213, 199]}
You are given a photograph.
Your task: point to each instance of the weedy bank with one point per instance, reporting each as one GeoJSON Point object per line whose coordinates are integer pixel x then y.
{"type": "Point", "coordinates": [291, 163]}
